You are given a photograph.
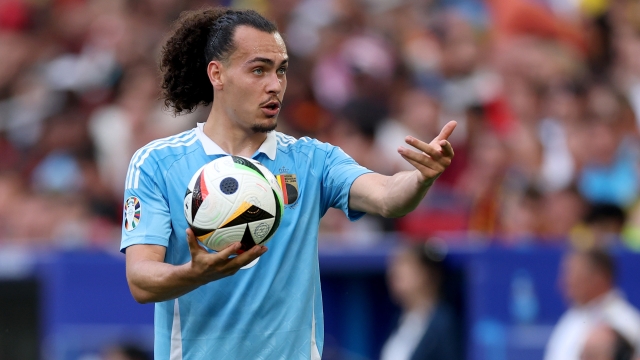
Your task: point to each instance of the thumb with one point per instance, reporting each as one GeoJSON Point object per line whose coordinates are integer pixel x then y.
{"type": "Point", "coordinates": [446, 131]}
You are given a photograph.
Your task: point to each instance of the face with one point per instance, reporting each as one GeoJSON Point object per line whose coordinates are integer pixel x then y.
{"type": "Point", "coordinates": [563, 210]}
{"type": "Point", "coordinates": [420, 112]}
{"type": "Point", "coordinates": [251, 83]}
{"type": "Point", "coordinates": [575, 274]}
{"type": "Point", "coordinates": [581, 283]}
{"type": "Point", "coordinates": [406, 277]}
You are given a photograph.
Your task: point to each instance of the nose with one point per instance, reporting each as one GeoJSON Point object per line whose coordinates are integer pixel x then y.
{"type": "Point", "coordinates": [275, 84]}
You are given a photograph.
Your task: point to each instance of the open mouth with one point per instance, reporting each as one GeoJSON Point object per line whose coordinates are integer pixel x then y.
{"type": "Point", "coordinates": [274, 105]}
{"type": "Point", "coordinates": [272, 108]}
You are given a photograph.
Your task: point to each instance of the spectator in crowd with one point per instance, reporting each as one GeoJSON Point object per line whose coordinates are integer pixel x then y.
{"type": "Point", "coordinates": [588, 282]}
{"type": "Point", "coordinates": [428, 328]}
{"type": "Point", "coordinates": [602, 226]}
{"type": "Point", "coordinates": [607, 174]}
{"type": "Point", "coordinates": [605, 343]}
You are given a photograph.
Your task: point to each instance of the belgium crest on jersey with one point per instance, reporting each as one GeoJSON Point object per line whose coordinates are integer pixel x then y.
{"type": "Point", "coordinates": [289, 185]}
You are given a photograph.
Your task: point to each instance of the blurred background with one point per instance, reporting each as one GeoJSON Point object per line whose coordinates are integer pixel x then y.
{"type": "Point", "coordinates": [547, 98]}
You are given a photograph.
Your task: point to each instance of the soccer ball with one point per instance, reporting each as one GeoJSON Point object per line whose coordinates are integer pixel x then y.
{"type": "Point", "coordinates": [231, 199]}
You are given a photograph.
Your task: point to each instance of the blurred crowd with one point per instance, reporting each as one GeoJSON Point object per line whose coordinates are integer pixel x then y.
{"type": "Point", "coordinates": [546, 94]}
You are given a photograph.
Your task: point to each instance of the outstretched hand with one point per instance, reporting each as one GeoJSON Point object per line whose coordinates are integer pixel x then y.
{"type": "Point", "coordinates": [214, 266]}
{"type": "Point", "coordinates": [432, 158]}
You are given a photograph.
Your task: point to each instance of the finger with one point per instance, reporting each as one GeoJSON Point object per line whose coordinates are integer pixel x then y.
{"type": "Point", "coordinates": [248, 256]}
{"type": "Point", "coordinates": [194, 246]}
{"type": "Point", "coordinates": [429, 149]}
{"type": "Point", "coordinates": [447, 149]}
{"type": "Point", "coordinates": [423, 163]}
{"type": "Point", "coordinates": [428, 159]}
{"type": "Point", "coordinates": [427, 172]}
{"type": "Point", "coordinates": [446, 131]}
{"type": "Point", "coordinates": [232, 249]}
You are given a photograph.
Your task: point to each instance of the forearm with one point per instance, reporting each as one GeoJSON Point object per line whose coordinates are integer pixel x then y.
{"type": "Point", "coordinates": [153, 281]}
{"type": "Point", "coordinates": [405, 191]}
{"type": "Point", "coordinates": [388, 196]}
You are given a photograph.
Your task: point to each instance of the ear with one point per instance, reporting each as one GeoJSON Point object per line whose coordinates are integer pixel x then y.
{"type": "Point", "coordinates": [215, 71]}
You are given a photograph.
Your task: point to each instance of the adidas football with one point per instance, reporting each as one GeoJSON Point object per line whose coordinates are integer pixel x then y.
{"type": "Point", "coordinates": [233, 199]}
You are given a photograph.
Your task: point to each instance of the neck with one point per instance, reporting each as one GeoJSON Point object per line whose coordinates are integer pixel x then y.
{"type": "Point", "coordinates": [596, 296]}
{"type": "Point", "coordinates": [230, 136]}
{"type": "Point", "coordinates": [420, 303]}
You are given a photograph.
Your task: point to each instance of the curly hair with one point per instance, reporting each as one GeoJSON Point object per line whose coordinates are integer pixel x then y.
{"type": "Point", "coordinates": [198, 37]}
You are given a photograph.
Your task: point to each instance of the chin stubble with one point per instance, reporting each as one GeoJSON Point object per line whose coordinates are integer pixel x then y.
{"type": "Point", "coordinates": [258, 128]}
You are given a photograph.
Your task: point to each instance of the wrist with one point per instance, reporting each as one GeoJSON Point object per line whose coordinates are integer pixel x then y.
{"type": "Point", "coordinates": [191, 275]}
{"type": "Point", "coordinates": [425, 182]}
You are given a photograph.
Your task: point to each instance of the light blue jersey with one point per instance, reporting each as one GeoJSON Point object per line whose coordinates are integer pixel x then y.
{"type": "Point", "coordinates": [272, 310]}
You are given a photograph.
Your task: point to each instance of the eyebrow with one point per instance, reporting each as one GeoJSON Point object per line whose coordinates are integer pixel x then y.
{"type": "Point", "coordinates": [266, 61]}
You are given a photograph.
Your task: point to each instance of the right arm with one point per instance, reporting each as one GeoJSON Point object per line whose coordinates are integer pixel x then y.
{"type": "Point", "coordinates": [152, 280]}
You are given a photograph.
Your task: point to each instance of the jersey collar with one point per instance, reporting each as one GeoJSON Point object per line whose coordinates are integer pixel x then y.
{"type": "Point", "coordinates": [268, 147]}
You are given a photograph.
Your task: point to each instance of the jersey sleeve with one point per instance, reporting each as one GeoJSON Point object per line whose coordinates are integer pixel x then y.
{"type": "Point", "coordinates": [339, 173]}
{"type": "Point", "coordinates": [146, 217]}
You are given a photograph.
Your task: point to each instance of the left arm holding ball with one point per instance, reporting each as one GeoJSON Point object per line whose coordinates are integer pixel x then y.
{"type": "Point", "coordinates": [397, 195]}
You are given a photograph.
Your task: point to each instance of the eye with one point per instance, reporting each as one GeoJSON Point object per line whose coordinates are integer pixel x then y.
{"type": "Point", "coordinates": [258, 71]}
{"type": "Point", "coordinates": [282, 71]}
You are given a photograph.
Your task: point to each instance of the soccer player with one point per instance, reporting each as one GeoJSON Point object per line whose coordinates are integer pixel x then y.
{"type": "Point", "coordinates": [254, 305]}
{"type": "Point", "coordinates": [589, 283]}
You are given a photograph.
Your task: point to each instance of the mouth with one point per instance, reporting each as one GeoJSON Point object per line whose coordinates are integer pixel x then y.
{"type": "Point", "coordinates": [271, 108]}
